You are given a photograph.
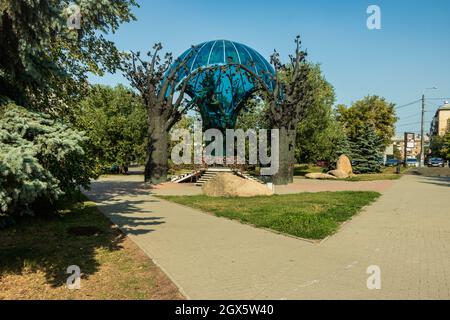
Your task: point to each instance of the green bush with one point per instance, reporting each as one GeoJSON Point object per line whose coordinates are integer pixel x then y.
{"type": "Point", "coordinates": [41, 160]}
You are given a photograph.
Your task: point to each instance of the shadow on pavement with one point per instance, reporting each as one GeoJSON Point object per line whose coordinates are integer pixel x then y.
{"type": "Point", "coordinates": [115, 200]}
{"type": "Point", "coordinates": [439, 181]}
{"type": "Point", "coordinates": [107, 190]}
{"type": "Point", "coordinates": [430, 172]}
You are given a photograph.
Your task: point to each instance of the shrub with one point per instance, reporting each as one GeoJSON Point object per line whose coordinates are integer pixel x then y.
{"type": "Point", "coordinates": [41, 160]}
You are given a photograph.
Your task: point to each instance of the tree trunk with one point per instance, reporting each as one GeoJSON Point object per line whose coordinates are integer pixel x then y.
{"type": "Point", "coordinates": [157, 151]}
{"type": "Point", "coordinates": [285, 173]}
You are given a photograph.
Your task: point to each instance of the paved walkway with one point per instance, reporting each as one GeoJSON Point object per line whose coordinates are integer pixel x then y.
{"type": "Point", "coordinates": [406, 233]}
{"type": "Point", "coordinates": [299, 185]}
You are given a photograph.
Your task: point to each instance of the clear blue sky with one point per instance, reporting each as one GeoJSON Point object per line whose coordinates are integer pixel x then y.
{"type": "Point", "coordinates": [411, 51]}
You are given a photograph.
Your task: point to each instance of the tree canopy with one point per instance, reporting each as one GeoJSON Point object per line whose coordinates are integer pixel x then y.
{"type": "Point", "coordinates": [366, 150]}
{"type": "Point", "coordinates": [318, 132]}
{"type": "Point", "coordinates": [44, 63]}
{"type": "Point", "coordinates": [372, 110]}
{"type": "Point", "coordinates": [440, 146]}
{"type": "Point", "coordinates": [115, 121]}
{"type": "Point", "coordinates": [41, 159]}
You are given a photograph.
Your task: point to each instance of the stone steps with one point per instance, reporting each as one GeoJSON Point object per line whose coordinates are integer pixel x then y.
{"type": "Point", "coordinates": [206, 176]}
{"type": "Point", "coordinates": [212, 172]}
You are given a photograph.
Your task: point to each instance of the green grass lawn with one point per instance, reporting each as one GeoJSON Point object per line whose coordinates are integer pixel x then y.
{"type": "Point", "coordinates": [387, 173]}
{"type": "Point", "coordinates": [374, 177]}
{"type": "Point", "coordinates": [35, 254]}
{"type": "Point", "coordinates": [303, 169]}
{"type": "Point", "coordinates": [305, 215]}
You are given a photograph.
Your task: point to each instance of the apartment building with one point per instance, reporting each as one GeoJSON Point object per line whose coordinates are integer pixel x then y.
{"type": "Point", "coordinates": [440, 122]}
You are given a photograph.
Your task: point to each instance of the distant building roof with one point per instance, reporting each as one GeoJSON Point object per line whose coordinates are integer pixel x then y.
{"type": "Point", "coordinates": [445, 106]}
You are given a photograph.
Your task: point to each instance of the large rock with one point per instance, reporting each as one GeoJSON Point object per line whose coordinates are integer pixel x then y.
{"type": "Point", "coordinates": [344, 165]}
{"type": "Point", "coordinates": [321, 176]}
{"type": "Point", "coordinates": [230, 185]}
{"type": "Point", "coordinates": [339, 174]}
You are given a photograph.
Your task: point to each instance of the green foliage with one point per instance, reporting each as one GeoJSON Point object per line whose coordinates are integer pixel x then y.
{"type": "Point", "coordinates": [436, 145]}
{"type": "Point", "coordinates": [43, 63]}
{"type": "Point", "coordinates": [366, 151]}
{"type": "Point", "coordinates": [445, 151]}
{"type": "Point", "coordinates": [40, 161]}
{"type": "Point", "coordinates": [342, 146]}
{"type": "Point", "coordinates": [397, 153]}
{"type": "Point", "coordinates": [440, 146]}
{"type": "Point", "coordinates": [318, 132]}
{"type": "Point", "coordinates": [115, 120]}
{"type": "Point", "coordinates": [253, 115]}
{"type": "Point", "coordinates": [372, 110]}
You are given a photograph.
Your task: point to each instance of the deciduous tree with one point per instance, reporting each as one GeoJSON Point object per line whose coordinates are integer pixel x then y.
{"type": "Point", "coordinates": [162, 93]}
{"type": "Point", "coordinates": [318, 132]}
{"type": "Point", "coordinates": [287, 105]}
{"type": "Point", "coordinates": [114, 119]}
{"type": "Point", "coordinates": [372, 110]}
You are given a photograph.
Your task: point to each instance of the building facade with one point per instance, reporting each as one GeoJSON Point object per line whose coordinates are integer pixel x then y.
{"type": "Point", "coordinates": [440, 122]}
{"type": "Point", "coordinates": [412, 150]}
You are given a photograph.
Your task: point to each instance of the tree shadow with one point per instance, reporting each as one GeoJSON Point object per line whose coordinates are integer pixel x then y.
{"type": "Point", "coordinates": [439, 181]}
{"type": "Point", "coordinates": [430, 172]}
{"type": "Point", "coordinates": [130, 219]}
{"type": "Point", "coordinates": [48, 246]}
{"type": "Point", "coordinates": [107, 190]}
{"type": "Point", "coordinates": [115, 200]}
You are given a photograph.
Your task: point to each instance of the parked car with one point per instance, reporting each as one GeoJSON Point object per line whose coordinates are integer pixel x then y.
{"type": "Point", "coordinates": [436, 162]}
{"type": "Point", "coordinates": [412, 162]}
{"type": "Point", "coordinates": [391, 162]}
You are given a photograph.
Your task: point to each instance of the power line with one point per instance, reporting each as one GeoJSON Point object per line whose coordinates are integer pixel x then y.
{"type": "Point", "coordinates": [409, 124]}
{"type": "Point", "coordinates": [409, 117]}
{"type": "Point", "coordinates": [408, 104]}
{"type": "Point", "coordinates": [434, 103]}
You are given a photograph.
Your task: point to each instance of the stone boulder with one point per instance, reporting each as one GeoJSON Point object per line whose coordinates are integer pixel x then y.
{"type": "Point", "coordinates": [320, 176]}
{"type": "Point", "coordinates": [344, 164]}
{"type": "Point", "coordinates": [339, 174]}
{"type": "Point", "coordinates": [230, 185]}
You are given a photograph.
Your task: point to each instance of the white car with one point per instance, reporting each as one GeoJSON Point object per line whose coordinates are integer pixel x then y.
{"type": "Point", "coordinates": [412, 162]}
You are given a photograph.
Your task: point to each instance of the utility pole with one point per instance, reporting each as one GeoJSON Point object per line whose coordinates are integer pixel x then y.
{"type": "Point", "coordinates": [422, 140]}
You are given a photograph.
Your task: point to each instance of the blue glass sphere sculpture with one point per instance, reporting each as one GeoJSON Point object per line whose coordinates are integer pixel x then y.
{"type": "Point", "coordinates": [220, 86]}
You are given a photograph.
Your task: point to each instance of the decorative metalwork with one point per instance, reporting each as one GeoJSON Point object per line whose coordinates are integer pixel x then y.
{"type": "Point", "coordinates": [225, 79]}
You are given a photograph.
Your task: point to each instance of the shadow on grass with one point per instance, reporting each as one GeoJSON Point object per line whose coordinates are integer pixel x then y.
{"type": "Point", "coordinates": [80, 235]}
{"type": "Point", "coordinates": [49, 245]}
